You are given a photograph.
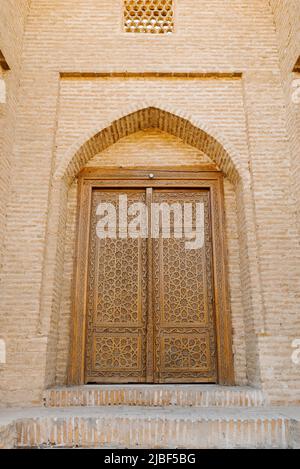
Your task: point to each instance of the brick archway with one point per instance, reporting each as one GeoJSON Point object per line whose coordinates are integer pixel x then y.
{"type": "Point", "coordinates": [190, 132]}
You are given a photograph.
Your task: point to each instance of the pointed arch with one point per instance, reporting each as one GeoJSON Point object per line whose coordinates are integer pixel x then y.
{"type": "Point", "coordinates": [191, 132]}
{"type": "Point", "coordinates": [142, 117]}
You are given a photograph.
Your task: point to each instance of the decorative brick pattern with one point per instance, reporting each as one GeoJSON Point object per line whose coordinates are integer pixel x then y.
{"type": "Point", "coordinates": [148, 16]}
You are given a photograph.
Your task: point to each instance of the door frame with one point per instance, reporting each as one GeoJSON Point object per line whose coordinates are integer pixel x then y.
{"type": "Point", "coordinates": [207, 177]}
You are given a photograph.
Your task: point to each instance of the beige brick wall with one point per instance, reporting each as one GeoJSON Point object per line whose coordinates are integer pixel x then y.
{"type": "Point", "coordinates": [287, 25]}
{"type": "Point", "coordinates": [287, 22]}
{"type": "Point", "coordinates": [56, 114]}
{"type": "Point", "coordinates": [12, 24]}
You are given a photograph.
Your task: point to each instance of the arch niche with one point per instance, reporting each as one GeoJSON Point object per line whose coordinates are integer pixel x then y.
{"type": "Point", "coordinates": [191, 133]}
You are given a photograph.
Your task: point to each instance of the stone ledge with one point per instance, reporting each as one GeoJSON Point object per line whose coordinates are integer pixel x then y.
{"type": "Point", "coordinates": [129, 427]}
{"type": "Point", "coordinates": [155, 395]}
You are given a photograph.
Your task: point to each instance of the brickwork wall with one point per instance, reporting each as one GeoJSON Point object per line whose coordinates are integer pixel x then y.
{"type": "Point", "coordinates": [287, 22]}
{"type": "Point", "coordinates": [12, 24]}
{"type": "Point", "coordinates": [56, 113]}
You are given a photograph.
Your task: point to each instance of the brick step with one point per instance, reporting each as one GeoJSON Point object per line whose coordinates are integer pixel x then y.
{"type": "Point", "coordinates": [155, 395]}
{"type": "Point", "coordinates": [128, 427]}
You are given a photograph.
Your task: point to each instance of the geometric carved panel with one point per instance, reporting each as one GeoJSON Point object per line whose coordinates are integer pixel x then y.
{"type": "Point", "coordinates": [112, 352]}
{"type": "Point", "coordinates": [116, 300]}
{"type": "Point", "coordinates": [186, 353]}
{"type": "Point", "coordinates": [184, 297]}
{"type": "Point", "coordinates": [185, 344]}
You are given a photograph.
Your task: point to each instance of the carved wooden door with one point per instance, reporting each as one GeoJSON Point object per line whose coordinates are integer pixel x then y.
{"type": "Point", "coordinates": [149, 305]}
{"type": "Point", "coordinates": [185, 348]}
{"type": "Point", "coordinates": [116, 299]}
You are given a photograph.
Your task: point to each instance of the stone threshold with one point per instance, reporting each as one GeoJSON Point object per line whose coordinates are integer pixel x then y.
{"type": "Point", "coordinates": [128, 427]}
{"type": "Point", "coordinates": [196, 395]}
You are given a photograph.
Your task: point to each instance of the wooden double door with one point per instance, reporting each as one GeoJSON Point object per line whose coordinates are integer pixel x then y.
{"type": "Point", "coordinates": [149, 285]}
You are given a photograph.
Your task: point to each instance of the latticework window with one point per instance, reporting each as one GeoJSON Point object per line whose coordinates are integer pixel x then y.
{"type": "Point", "coordinates": [149, 16]}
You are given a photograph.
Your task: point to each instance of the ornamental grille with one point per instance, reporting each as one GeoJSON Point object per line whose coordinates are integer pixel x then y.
{"type": "Point", "coordinates": [149, 16]}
